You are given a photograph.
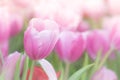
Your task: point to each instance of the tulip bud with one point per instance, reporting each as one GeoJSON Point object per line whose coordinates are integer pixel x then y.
{"type": "Point", "coordinates": [104, 74]}
{"type": "Point", "coordinates": [97, 40]}
{"type": "Point", "coordinates": [70, 46]}
{"type": "Point", "coordinates": [40, 38]}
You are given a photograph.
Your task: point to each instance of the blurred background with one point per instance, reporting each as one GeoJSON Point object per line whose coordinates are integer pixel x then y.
{"type": "Point", "coordinates": [75, 15]}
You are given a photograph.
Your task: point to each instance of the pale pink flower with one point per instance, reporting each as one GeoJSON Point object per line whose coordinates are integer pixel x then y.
{"type": "Point", "coordinates": [97, 40]}
{"type": "Point", "coordinates": [70, 46]}
{"type": "Point", "coordinates": [9, 65]}
{"type": "Point", "coordinates": [104, 74]}
{"type": "Point", "coordinates": [40, 38]}
{"type": "Point", "coordinates": [112, 26]}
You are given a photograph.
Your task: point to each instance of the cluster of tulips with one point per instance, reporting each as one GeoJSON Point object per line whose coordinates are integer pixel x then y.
{"type": "Point", "coordinates": [57, 35]}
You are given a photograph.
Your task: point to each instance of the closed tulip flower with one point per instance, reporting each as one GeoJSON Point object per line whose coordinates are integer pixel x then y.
{"type": "Point", "coordinates": [112, 25]}
{"type": "Point", "coordinates": [16, 24]}
{"type": "Point", "coordinates": [97, 40]}
{"type": "Point", "coordinates": [40, 38]}
{"type": "Point", "coordinates": [4, 25]}
{"type": "Point", "coordinates": [70, 46]}
{"type": "Point", "coordinates": [104, 74]}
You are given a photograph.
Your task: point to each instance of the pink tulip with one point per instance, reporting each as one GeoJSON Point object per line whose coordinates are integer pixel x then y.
{"type": "Point", "coordinates": [94, 8]}
{"type": "Point", "coordinates": [83, 26]}
{"type": "Point", "coordinates": [45, 9]}
{"type": "Point", "coordinates": [10, 24]}
{"type": "Point", "coordinates": [40, 38]}
{"type": "Point", "coordinates": [9, 66]}
{"type": "Point", "coordinates": [16, 24]}
{"type": "Point", "coordinates": [97, 40]}
{"type": "Point", "coordinates": [4, 25]}
{"type": "Point", "coordinates": [76, 5]}
{"type": "Point", "coordinates": [112, 25]}
{"type": "Point", "coordinates": [4, 47]}
{"type": "Point", "coordinates": [67, 18]}
{"type": "Point", "coordinates": [104, 74]}
{"type": "Point", "coordinates": [70, 46]}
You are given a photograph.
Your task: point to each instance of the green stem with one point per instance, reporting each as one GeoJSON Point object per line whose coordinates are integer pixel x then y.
{"type": "Point", "coordinates": [25, 68]}
{"type": "Point", "coordinates": [105, 58]}
{"type": "Point", "coordinates": [66, 73]}
{"type": "Point", "coordinates": [31, 70]}
{"type": "Point", "coordinates": [97, 61]}
{"type": "Point", "coordinates": [86, 61]}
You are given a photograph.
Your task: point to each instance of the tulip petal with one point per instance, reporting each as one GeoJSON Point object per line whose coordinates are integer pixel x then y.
{"type": "Point", "coordinates": [48, 68]}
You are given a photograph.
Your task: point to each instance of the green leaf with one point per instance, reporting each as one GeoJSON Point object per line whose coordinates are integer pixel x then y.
{"type": "Point", "coordinates": [25, 68]}
{"type": "Point", "coordinates": [17, 70]}
{"type": "Point", "coordinates": [77, 75]}
{"type": "Point", "coordinates": [86, 62]}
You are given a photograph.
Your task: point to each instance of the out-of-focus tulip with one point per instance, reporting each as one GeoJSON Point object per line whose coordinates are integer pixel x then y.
{"type": "Point", "coordinates": [112, 25]}
{"type": "Point", "coordinates": [104, 74]}
{"type": "Point", "coordinates": [70, 46]}
{"type": "Point", "coordinates": [40, 38]}
{"type": "Point", "coordinates": [67, 18]}
{"type": "Point", "coordinates": [73, 5]}
{"type": "Point", "coordinates": [45, 9]}
{"type": "Point", "coordinates": [4, 47]}
{"type": "Point", "coordinates": [113, 6]}
{"type": "Point", "coordinates": [97, 40]}
{"type": "Point", "coordinates": [48, 68]}
{"type": "Point", "coordinates": [45, 72]}
{"type": "Point", "coordinates": [4, 25]}
{"type": "Point", "coordinates": [9, 66]}
{"type": "Point", "coordinates": [38, 74]}
{"type": "Point", "coordinates": [94, 8]}
{"type": "Point", "coordinates": [83, 26]}
{"type": "Point", "coordinates": [16, 24]}
{"type": "Point", "coordinates": [10, 24]}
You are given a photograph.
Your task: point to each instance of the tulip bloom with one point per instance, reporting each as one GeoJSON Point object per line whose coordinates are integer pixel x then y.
{"type": "Point", "coordinates": [40, 38]}
{"type": "Point", "coordinates": [9, 65]}
{"type": "Point", "coordinates": [112, 25]}
{"type": "Point", "coordinates": [104, 74]}
{"type": "Point", "coordinates": [83, 26]}
{"type": "Point", "coordinates": [10, 24]}
{"type": "Point", "coordinates": [45, 72]}
{"type": "Point", "coordinates": [16, 24]}
{"type": "Point", "coordinates": [4, 25]}
{"type": "Point", "coordinates": [70, 46]}
{"type": "Point", "coordinates": [97, 40]}
{"type": "Point", "coordinates": [4, 49]}
{"type": "Point", "coordinates": [67, 19]}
